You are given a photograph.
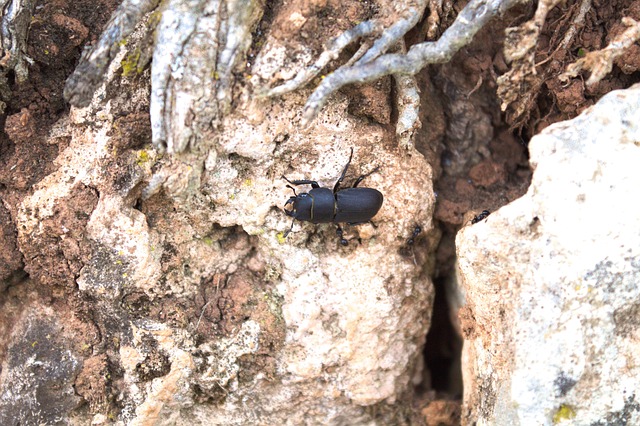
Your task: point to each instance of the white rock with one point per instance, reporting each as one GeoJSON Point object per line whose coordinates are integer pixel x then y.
{"type": "Point", "coordinates": [552, 281]}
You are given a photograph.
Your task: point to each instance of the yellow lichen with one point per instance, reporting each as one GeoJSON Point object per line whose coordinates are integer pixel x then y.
{"type": "Point", "coordinates": [564, 412]}
{"type": "Point", "coordinates": [143, 157]}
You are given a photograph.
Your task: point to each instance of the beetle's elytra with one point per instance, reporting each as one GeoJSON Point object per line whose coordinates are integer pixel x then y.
{"type": "Point", "coordinates": [322, 205]}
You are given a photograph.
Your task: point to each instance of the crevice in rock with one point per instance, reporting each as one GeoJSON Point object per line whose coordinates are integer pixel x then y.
{"type": "Point", "coordinates": [463, 193]}
{"type": "Point", "coordinates": [444, 346]}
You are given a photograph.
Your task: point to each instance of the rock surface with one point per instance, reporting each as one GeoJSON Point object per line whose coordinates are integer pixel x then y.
{"type": "Point", "coordinates": [205, 313]}
{"type": "Point", "coordinates": [552, 281]}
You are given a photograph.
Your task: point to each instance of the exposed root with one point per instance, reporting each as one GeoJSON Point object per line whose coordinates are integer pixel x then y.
{"type": "Point", "coordinates": [519, 86]}
{"type": "Point", "coordinates": [16, 18]}
{"type": "Point", "coordinates": [89, 73]}
{"type": "Point", "coordinates": [578, 22]}
{"type": "Point", "coordinates": [433, 20]}
{"type": "Point", "coordinates": [194, 41]}
{"type": "Point", "coordinates": [392, 35]}
{"type": "Point", "coordinates": [600, 62]}
{"type": "Point", "coordinates": [471, 19]}
{"type": "Point", "coordinates": [408, 103]}
{"type": "Point", "coordinates": [336, 46]}
{"type": "Point", "coordinates": [518, 89]}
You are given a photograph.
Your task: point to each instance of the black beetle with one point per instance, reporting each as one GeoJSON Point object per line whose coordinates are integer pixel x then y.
{"type": "Point", "coordinates": [322, 205]}
{"type": "Point", "coordinates": [483, 215]}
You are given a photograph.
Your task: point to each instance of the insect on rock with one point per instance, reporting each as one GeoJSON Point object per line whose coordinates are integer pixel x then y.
{"type": "Point", "coordinates": [483, 215]}
{"type": "Point", "coordinates": [322, 205]}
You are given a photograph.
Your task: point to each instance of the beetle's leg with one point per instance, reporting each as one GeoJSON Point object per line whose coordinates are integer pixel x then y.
{"type": "Point", "coordinates": [313, 183]}
{"type": "Point", "coordinates": [343, 241]}
{"type": "Point", "coordinates": [361, 178]}
{"type": "Point", "coordinates": [344, 172]}
{"type": "Point", "coordinates": [290, 229]}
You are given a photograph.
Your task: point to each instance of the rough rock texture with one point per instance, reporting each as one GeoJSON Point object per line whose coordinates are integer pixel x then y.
{"type": "Point", "coordinates": [10, 259]}
{"type": "Point", "coordinates": [201, 311]}
{"type": "Point", "coordinates": [138, 288]}
{"type": "Point", "coordinates": [42, 348]}
{"type": "Point", "coordinates": [551, 281]}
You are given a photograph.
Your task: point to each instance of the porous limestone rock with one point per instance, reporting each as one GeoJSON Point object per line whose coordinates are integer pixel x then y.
{"type": "Point", "coordinates": [206, 313]}
{"type": "Point", "coordinates": [552, 281]}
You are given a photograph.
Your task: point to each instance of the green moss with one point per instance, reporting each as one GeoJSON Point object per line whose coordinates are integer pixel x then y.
{"type": "Point", "coordinates": [564, 412]}
{"type": "Point", "coordinates": [154, 18]}
{"type": "Point", "coordinates": [130, 63]}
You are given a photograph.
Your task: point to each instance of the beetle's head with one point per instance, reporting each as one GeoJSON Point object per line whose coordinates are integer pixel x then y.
{"type": "Point", "coordinates": [299, 206]}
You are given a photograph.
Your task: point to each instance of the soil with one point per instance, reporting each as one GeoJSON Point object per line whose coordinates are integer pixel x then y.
{"type": "Point", "coordinates": [479, 155]}
{"type": "Point", "coordinates": [36, 276]}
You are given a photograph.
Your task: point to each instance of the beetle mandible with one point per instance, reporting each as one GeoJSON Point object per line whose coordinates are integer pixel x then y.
{"type": "Point", "coordinates": [322, 205]}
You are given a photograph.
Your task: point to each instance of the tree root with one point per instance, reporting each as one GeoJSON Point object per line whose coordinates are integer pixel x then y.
{"type": "Point", "coordinates": [600, 62]}
{"type": "Point", "coordinates": [376, 63]}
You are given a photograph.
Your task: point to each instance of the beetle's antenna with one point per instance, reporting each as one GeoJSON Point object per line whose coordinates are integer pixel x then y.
{"type": "Point", "coordinates": [344, 172]}
{"type": "Point", "coordinates": [290, 229]}
{"type": "Point", "coordinates": [361, 178]}
{"type": "Point", "coordinates": [285, 178]}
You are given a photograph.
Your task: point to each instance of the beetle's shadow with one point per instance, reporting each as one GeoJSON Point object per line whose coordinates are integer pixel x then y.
{"type": "Point", "coordinates": [323, 236]}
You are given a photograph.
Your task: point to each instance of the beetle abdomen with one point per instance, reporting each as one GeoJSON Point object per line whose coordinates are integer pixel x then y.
{"type": "Point", "coordinates": [355, 205]}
